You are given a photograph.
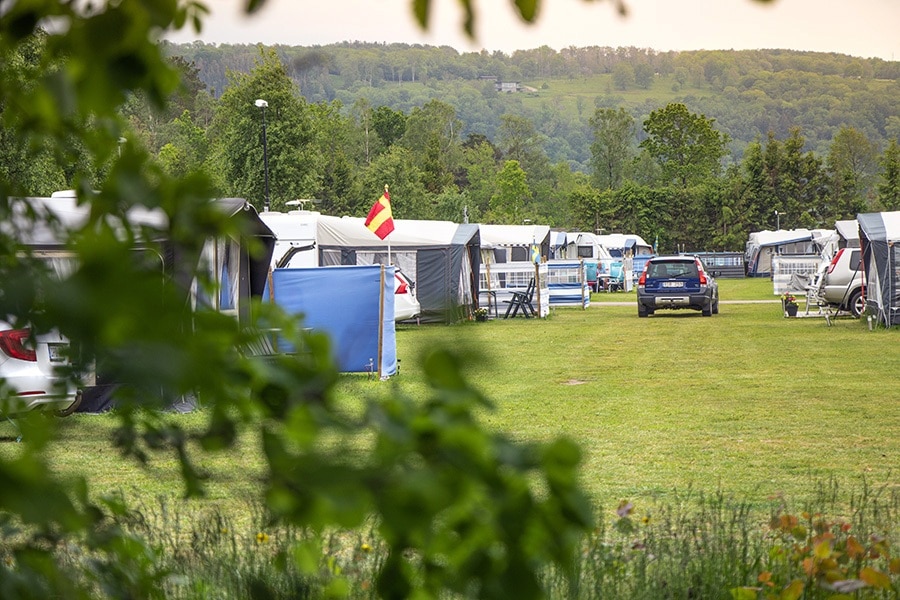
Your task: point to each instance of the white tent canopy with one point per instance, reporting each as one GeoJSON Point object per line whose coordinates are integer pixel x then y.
{"type": "Point", "coordinates": [848, 233]}
{"type": "Point", "coordinates": [352, 231]}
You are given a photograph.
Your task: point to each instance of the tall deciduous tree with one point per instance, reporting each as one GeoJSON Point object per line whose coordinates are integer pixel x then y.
{"type": "Point", "coordinates": [239, 152]}
{"type": "Point", "coordinates": [852, 166]}
{"type": "Point", "coordinates": [433, 136]}
{"type": "Point", "coordinates": [511, 195]}
{"type": "Point", "coordinates": [611, 149]}
{"type": "Point", "coordinates": [687, 146]}
{"type": "Point", "coordinates": [889, 187]}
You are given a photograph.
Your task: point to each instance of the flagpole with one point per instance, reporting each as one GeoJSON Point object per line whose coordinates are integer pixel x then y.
{"type": "Point", "coordinates": [389, 237]}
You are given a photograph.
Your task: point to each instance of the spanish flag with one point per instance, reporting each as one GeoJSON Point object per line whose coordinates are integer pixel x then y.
{"type": "Point", "coordinates": [380, 220]}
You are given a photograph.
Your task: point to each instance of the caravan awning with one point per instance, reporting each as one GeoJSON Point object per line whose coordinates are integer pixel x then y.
{"type": "Point", "coordinates": [351, 232]}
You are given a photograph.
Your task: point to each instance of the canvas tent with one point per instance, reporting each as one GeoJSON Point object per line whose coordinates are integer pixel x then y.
{"type": "Point", "coordinates": [239, 274]}
{"type": "Point", "coordinates": [879, 236]}
{"type": "Point", "coordinates": [229, 262]}
{"type": "Point", "coordinates": [762, 245]}
{"type": "Point", "coordinates": [511, 256]}
{"type": "Point", "coordinates": [513, 243]}
{"type": "Point", "coordinates": [558, 245]}
{"type": "Point", "coordinates": [440, 257]}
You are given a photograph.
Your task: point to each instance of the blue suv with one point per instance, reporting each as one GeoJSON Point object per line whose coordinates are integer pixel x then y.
{"type": "Point", "coordinates": [672, 282]}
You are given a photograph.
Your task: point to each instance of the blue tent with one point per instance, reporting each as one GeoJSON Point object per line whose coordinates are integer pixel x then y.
{"type": "Point", "coordinates": [354, 305]}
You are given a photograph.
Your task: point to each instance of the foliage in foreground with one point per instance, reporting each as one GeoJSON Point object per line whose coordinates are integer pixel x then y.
{"type": "Point", "coordinates": [458, 508]}
{"type": "Point", "coordinates": [693, 546]}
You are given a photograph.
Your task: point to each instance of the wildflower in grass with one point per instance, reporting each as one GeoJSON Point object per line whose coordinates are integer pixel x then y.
{"type": "Point", "coordinates": [262, 537]}
{"type": "Point", "coordinates": [366, 548]}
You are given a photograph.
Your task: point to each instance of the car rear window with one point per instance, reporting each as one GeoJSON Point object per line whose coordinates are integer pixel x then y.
{"type": "Point", "coordinates": [672, 270]}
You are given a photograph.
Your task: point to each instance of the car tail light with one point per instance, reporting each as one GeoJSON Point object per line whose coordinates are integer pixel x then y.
{"type": "Point", "coordinates": [402, 288]}
{"type": "Point", "coordinates": [701, 273]}
{"type": "Point", "coordinates": [834, 261]}
{"type": "Point", "coordinates": [12, 342]}
{"type": "Point", "coordinates": [642, 280]}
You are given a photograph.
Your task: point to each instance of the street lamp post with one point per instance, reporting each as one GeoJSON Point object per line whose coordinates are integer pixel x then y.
{"type": "Point", "coordinates": [263, 105]}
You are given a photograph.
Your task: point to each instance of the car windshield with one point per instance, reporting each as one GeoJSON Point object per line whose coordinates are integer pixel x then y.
{"type": "Point", "coordinates": [672, 270]}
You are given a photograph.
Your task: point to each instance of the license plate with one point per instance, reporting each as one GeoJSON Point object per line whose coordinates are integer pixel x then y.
{"type": "Point", "coordinates": [57, 352]}
{"type": "Point", "coordinates": [673, 284]}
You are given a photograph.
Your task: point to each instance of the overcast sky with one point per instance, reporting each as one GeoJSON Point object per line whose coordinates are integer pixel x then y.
{"type": "Point", "coordinates": [864, 28]}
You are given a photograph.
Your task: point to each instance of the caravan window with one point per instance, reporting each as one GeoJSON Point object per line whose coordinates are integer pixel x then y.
{"type": "Point", "coordinates": [585, 252]}
{"type": "Point", "coordinates": [519, 254]}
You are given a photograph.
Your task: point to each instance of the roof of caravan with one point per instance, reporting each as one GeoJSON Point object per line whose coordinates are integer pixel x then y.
{"type": "Point", "coordinates": [70, 215]}
{"type": "Point", "coordinates": [619, 240]}
{"type": "Point", "coordinates": [583, 238]}
{"type": "Point", "coordinates": [512, 235]}
{"type": "Point", "coordinates": [352, 232]}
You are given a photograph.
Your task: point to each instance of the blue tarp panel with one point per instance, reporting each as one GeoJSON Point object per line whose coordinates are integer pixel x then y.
{"type": "Point", "coordinates": [345, 303]}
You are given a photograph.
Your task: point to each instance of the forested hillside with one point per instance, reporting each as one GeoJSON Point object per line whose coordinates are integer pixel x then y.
{"type": "Point", "coordinates": [696, 148]}
{"type": "Point", "coordinates": [748, 93]}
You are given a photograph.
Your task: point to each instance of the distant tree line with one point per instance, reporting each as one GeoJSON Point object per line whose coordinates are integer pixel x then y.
{"type": "Point", "coordinates": [450, 149]}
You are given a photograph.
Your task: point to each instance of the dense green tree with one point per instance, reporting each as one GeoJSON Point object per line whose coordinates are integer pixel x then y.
{"type": "Point", "coordinates": [687, 146]}
{"type": "Point", "coordinates": [186, 148]}
{"type": "Point", "coordinates": [889, 187]}
{"type": "Point", "coordinates": [390, 125]}
{"type": "Point", "coordinates": [27, 161]}
{"type": "Point", "coordinates": [512, 194]}
{"type": "Point", "coordinates": [236, 137]}
{"type": "Point", "coordinates": [340, 159]}
{"type": "Point", "coordinates": [397, 169]}
{"type": "Point", "coordinates": [611, 149]}
{"type": "Point", "coordinates": [480, 166]}
{"type": "Point", "coordinates": [804, 181]}
{"type": "Point", "coordinates": [852, 165]}
{"type": "Point", "coordinates": [643, 75]}
{"type": "Point", "coordinates": [433, 136]}
{"type": "Point", "coordinates": [623, 76]}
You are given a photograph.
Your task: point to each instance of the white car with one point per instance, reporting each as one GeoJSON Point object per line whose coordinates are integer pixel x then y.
{"type": "Point", "coordinates": [31, 368]}
{"type": "Point", "coordinates": [406, 306]}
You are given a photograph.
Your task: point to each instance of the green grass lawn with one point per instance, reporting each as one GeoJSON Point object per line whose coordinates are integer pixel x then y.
{"type": "Point", "coordinates": [746, 402]}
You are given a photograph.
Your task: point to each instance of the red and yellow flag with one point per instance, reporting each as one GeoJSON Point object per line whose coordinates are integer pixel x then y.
{"type": "Point", "coordinates": [380, 220]}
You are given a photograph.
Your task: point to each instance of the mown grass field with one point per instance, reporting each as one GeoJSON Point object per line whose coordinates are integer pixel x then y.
{"type": "Point", "coordinates": [746, 402]}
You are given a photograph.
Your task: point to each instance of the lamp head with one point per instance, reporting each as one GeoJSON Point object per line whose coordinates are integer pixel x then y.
{"type": "Point", "coordinates": [261, 103]}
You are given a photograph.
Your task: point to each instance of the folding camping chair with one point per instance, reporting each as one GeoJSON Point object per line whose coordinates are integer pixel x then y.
{"type": "Point", "coordinates": [521, 300]}
{"type": "Point", "coordinates": [616, 282]}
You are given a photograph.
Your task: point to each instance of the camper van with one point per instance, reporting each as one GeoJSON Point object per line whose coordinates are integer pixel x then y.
{"type": "Point", "coordinates": [598, 261]}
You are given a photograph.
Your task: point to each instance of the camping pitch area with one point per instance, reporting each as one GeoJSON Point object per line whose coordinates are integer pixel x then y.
{"type": "Point", "coordinates": [747, 403]}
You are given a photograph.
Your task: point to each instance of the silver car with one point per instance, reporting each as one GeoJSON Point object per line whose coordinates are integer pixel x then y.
{"type": "Point", "coordinates": [841, 285]}
{"type": "Point", "coordinates": [31, 369]}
